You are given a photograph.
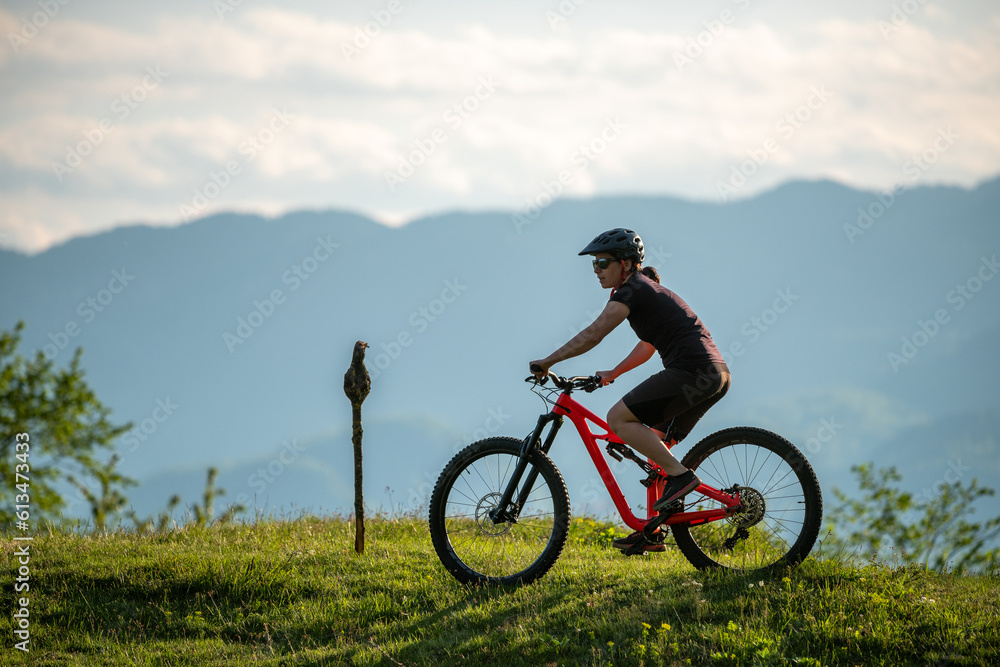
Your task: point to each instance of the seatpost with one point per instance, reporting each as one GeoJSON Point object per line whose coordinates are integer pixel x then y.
{"type": "Point", "coordinates": [653, 493]}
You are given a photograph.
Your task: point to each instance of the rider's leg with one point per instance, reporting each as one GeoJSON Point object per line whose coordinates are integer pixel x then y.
{"type": "Point", "coordinates": [641, 438]}
{"type": "Point", "coordinates": [684, 422]}
{"type": "Point", "coordinates": [674, 401]}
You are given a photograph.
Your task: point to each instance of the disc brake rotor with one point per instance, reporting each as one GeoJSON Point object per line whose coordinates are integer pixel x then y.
{"type": "Point", "coordinates": [486, 524]}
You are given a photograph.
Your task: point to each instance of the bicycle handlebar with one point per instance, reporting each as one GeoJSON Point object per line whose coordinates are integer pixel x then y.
{"type": "Point", "coordinates": [588, 383]}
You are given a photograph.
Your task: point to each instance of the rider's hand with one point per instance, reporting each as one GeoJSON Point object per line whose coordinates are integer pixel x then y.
{"type": "Point", "coordinates": [544, 365]}
{"type": "Point", "coordinates": [607, 377]}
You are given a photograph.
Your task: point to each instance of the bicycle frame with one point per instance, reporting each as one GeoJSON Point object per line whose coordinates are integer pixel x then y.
{"type": "Point", "coordinates": [566, 406]}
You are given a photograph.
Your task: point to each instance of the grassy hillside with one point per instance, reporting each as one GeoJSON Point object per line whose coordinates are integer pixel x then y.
{"type": "Point", "coordinates": [295, 593]}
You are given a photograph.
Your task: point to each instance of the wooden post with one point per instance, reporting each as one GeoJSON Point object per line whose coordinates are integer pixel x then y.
{"type": "Point", "coordinates": [357, 384]}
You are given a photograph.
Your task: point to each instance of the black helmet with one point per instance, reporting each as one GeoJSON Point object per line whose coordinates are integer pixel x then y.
{"type": "Point", "coordinates": [622, 243]}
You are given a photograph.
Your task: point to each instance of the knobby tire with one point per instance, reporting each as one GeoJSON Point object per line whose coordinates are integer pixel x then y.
{"type": "Point", "coordinates": [473, 549]}
{"type": "Point", "coordinates": [785, 506]}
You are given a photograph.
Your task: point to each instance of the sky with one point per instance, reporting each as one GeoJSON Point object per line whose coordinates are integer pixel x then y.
{"type": "Point", "coordinates": [120, 113]}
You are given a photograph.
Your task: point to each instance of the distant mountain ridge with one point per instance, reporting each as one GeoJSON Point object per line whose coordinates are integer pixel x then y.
{"type": "Point", "coordinates": [298, 290]}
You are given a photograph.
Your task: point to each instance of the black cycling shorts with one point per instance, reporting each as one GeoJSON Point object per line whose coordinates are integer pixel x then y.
{"type": "Point", "coordinates": [674, 400]}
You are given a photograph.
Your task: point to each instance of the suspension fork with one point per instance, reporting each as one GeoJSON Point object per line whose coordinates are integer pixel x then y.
{"type": "Point", "coordinates": [508, 509]}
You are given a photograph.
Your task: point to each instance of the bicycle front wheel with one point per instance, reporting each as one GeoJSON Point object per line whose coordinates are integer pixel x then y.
{"type": "Point", "coordinates": [473, 548]}
{"type": "Point", "coordinates": [782, 506]}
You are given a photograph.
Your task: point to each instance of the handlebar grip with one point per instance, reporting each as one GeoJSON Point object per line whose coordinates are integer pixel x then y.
{"type": "Point", "coordinates": [535, 368]}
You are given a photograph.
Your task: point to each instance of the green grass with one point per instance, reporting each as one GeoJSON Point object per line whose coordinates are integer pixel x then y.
{"type": "Point", "coordinates": [295, 593]}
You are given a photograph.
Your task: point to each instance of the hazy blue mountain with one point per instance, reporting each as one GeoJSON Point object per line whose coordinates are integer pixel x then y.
{"type": "Point", "coordinates": [183, 336]}
{"type": "Point", "coordinates": [314, 475]}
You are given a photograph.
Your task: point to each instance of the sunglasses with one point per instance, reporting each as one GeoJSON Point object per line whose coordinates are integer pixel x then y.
{"type": "Point", "coordinates": [604, 262]}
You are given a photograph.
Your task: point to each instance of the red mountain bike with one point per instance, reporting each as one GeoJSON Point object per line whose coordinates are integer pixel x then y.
{"type": "Point", "coordinates": [500, 514]}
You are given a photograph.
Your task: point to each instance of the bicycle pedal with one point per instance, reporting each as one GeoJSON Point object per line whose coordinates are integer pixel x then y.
{"type": "Point", "coordinates": [672, 508]}
{"type": "Point", "coordinates": [637, 549]}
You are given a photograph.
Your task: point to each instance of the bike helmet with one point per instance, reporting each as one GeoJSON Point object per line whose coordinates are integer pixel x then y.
{"type": "Point", "coordinates": [622, 243]}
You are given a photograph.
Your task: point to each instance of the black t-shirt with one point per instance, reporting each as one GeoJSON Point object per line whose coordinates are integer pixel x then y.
{"type": "Point", "coordinates": [662, 319]}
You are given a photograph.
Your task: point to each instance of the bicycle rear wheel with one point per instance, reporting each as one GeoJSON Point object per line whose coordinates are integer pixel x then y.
{"type": "Point", "coordinates": [473, 548]}
{"type": "Point", "coordinates": [782, 502]}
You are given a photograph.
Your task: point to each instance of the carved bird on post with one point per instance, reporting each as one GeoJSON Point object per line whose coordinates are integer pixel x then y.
{"type": "Point", "coordinates": [357, 384]}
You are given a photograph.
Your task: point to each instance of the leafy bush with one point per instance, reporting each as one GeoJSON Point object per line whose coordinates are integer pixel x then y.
{"type": "Point", "coordinates": [67, 427]}
{"type": "Point", "coordinates": [933, 532]}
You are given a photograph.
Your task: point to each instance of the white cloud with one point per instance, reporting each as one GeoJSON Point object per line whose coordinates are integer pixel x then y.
{"type": "Point", "coordinates": [33, 219]}
{"type": "Point", "coordinates": [355, 117]}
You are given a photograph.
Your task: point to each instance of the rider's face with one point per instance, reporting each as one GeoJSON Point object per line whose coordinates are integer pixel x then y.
{"type": "Point", "coordinates": [612, 275]}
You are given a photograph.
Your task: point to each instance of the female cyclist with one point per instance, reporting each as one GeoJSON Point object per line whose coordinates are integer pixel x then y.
{"type": "Point", "coordinates": [666, 406]}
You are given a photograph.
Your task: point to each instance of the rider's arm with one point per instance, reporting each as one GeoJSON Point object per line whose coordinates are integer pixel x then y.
{"type": "Point", "coordinates": [613, 315]}
{"type": "Point", "coordinates": [639, 355]}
